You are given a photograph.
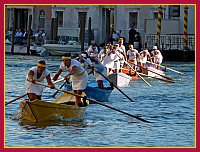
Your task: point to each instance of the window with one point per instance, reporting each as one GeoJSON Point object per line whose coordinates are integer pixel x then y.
{"type": "Point", "coordinates": [42, 17]}
{"type": "Point", "coordinates": [59, 15]}
{"type": "Point", "coordinates": [155, 15]}
{"type": "Point", "coordinates": [81, 15]}
{"type": "Point", "coordinates": [174, 11]}
{"type": "Point", "coordinates": [133, 17]}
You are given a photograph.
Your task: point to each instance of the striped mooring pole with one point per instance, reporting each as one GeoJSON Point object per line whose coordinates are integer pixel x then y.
{"type": "Point", "coordinates": [185, 27]}
{"type": "Point", "coordinates": [159, 25]}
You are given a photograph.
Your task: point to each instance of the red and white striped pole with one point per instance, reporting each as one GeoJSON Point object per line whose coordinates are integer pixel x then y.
{"type": "Point", "coordinates": [185, 27]}
{"type": "Point", "coordinates": [159, 25]}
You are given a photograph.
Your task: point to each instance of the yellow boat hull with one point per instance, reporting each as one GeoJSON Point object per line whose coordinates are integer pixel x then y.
{"type": "Point", "coordinates": [60, 109]}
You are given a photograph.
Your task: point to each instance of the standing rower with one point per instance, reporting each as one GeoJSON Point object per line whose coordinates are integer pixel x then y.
{"type": "Point", "coordinates": [37, 74]}
{"type": "Point", "coordinates": [79, 76]}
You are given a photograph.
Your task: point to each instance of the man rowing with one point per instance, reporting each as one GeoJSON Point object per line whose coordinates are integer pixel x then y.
{"type": "Point", "coordinates": [79, 76]}
{"type": "Point", "coordinates": [37, 74]}
{"type": "Point", "coordinates": [157, 56]}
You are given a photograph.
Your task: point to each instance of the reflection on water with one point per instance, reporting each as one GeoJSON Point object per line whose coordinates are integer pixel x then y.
{"type": "Point", "coordinates": [43, 124]}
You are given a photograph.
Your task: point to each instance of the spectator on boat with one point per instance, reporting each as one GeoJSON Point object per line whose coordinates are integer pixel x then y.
{"type": "Point", "coordinates": [97, 66]}
{"type": "Point", "coordinates": [132, 56]}
{"type": "Point", "coordinates": [157, 56]}
{"type": "Point", "coordinates": [79, 76]}
{"type": "Point", "coordinates": [37, 74]}
{"type": "Point", "coordinates": [19, 36]}
{"type": "Point", "coordinates": [19, 33]}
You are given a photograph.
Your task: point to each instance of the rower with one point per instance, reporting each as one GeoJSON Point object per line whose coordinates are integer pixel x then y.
{"type": "Point", "coordinates": [37, 74]}
{"type": "Point", "coordinates": [157, 56]}
{"type": "Point", "coordinates": [132, 56]}
{"type": "Point", "coordinates": [79, 76]}
{"type": "Point", "coordinates": [97, 65]}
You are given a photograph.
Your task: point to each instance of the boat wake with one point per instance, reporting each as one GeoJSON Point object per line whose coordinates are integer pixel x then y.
{"type": "Point", "coordinates": [17, 116]}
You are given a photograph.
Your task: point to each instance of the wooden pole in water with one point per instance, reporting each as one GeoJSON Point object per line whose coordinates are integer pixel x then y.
{"type": "Point", "coordinates": [82, 30]}
{"type": "Point", "coordinates": [89, 31]}
{"type": "Point", "coordinates": [29, 33]}
{"type": "Point", "coordinates": [13, 30]}
{"type": "Point", "coordinates": [54, 28]}
{"type": "Point", "coordinates": [108, 25]}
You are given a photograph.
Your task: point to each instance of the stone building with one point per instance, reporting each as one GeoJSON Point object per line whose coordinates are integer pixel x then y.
{"type": "Point", "coordinates": [104, 19]}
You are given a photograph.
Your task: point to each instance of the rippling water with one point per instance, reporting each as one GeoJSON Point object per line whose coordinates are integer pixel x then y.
{"type": "Point", "coordinates": [170, 106]}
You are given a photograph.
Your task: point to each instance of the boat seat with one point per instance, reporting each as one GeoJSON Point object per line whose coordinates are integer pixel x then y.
{"type": "Point", "coordinates": [68, 103]}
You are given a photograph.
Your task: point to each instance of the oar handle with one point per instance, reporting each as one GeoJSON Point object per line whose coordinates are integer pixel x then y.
{"type": "Point", "coordinates": [98, 102]}
{"type": "Point", "coordinates": [57, 81]}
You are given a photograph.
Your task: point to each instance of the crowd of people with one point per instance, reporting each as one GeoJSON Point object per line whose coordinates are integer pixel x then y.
{"type": "Point", "coordinates": [20, 34]}
{"type": "Point", "coordinates": [106, 61]}
{"type": "Point", "coordinates": [115, 56]}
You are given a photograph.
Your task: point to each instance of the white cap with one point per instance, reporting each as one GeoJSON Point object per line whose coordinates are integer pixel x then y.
{"type": "Point", "coordinates": [84, 55]}
{"type": "Point", "coordinates": [93, 55]}
{"type": "Point", "coordinates": [146, 51]}
{"type": "Point", "coordinates": [155, 48]}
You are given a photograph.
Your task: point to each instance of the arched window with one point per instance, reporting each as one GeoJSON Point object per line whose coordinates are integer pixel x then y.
{"type": "Point", "coordinates": [42, 17]}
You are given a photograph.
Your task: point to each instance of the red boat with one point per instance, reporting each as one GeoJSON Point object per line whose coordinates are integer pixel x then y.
{"type": "Point", "coordinates": [130, 72]}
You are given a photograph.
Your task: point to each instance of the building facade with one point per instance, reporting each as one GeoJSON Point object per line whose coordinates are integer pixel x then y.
{"type": "Point", "coordinates": [104, 19]}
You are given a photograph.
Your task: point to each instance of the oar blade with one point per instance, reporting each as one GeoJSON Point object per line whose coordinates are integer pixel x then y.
{"type": "Point", "coordinates": [16, 99]}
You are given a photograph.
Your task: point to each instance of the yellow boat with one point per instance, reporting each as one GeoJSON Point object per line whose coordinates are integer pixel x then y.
{"type": "Point", "coordinates": [62, 108]}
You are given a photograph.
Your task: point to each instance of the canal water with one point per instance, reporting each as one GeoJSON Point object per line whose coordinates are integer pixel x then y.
{"type": "Point", "coordinates": [170, 106]}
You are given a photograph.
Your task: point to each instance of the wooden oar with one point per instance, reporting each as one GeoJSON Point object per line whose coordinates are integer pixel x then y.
{"type": "Point", "coordinates": [62, 79]}
{"type": "Point", "coordinates": [169, 69]}
{"type": "Point", "coordinates": [16, 99]}
{"type": "Point", "coordinates": [137, 73]}
{"type": "Point", "coordinates": [66, 81]}
{"type": "Point", "coordinates": [26, 93]}
{"type": "Point", "coordinates": [168, 81]}
{"type": "Point", "coordinates": [114, 85]}
{"type": "Point", "coordinates": [98, 102]}
{"type": "Point", "coordinates": [158, 74]}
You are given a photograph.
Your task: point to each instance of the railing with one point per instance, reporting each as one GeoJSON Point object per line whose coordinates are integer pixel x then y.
{"type": "Point", "coordinates": [169, 41]}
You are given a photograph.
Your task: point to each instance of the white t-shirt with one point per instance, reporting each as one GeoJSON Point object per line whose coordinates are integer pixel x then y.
{"type": "Point", "coordinates": [132, 54]}
{"type": "Point", "coordinates": [80, 76]}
